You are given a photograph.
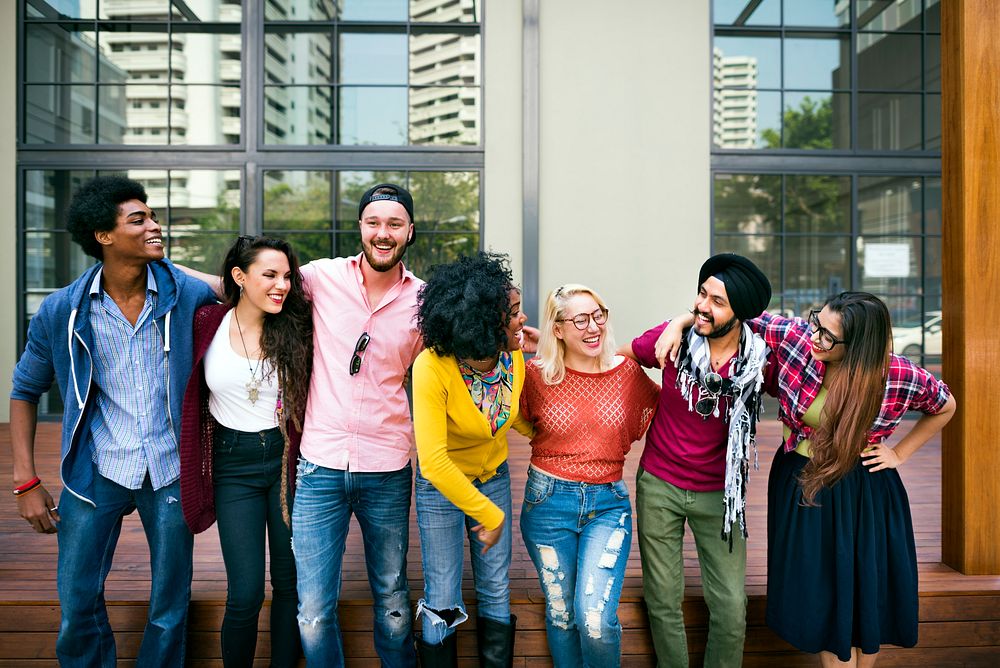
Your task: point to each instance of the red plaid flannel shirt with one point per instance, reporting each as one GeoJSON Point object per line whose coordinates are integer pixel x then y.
{"type": "Point", "coordinates": [797, 378]}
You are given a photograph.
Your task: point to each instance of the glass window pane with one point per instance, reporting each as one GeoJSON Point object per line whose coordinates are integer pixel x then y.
{"type": "Point", "coordinates": [155, 183]}
{"type": "Point", "coordinates": [209, 198]}
{"type": "Point", "coordinates": [52, 260]}
{"type": "Point", "coordinates": [463, 11]}
{"type": "Point", "coordinates": [373, 10]}
{"type": "Point", "coordinates": [297, 10]}
{"type": "Point", "coordinates": [889, 121]}
{"type": "Point", "coordinates": [932, 62]}
{"type": "Point", "coordinates": [205, 115]}
{"type": "Point", "coordinates": [297, 200]}
{"type": "Point", "coordinates": [932, 122]}
{"type": "Point", "coordinates": [150, 10]}
{"type": "Point", "coordinates": [47, 194]}
{"type": "Point", "coordinates": [433, 249]}
{"type": "Point", "coordinates": [817, 203]}
{"type": "Point", "coordinates": [765, 251]}
{"type": "Point", "coordinates": [747, 62]}
{"type": "Point", "coordinates": [890, 265]}
{"type": "Point", "coordinates": [444, 59]}
{"type": "Point", "coordinates": [932, 205]}
{"type": "Point", "coordinates": [815, 268]}
{"type": "Point", "coordinates": [444, 116]}
{"type": "Point", "coordinates": [746, 119]}
{"type": "Point", "coordinates": [932, 16]}
{"type": "Point", "coordinates": [888, 61]}
{"type": "Point", "coordinates": [890, 204]}
{"type": "Point", "coordinates": [733, 13]}
{"type": "Point", "coordinates": [58, 114]}
{"type": "Point", "coordinates": [204, 251]}
{"type": "Point", "coordinates": [932, 265]}
{"type": "Point", "coordinates": [372, 116]}
{"type": "Point", "coordinates": [311, 246]}
{"type": "Point", "coordinates": [139, 57]}
{"type": "Point", "coordinates": [55, 9]}
{"type": "Point", "coordinates": [747, 203]}
{"type": "Point", "coordinates": [373, 58]}
{"type": "Point", "coordinates": [298, 57]}
{"type": "Point", "coordinates": [819, 62]}
{"type": "Point", "coordinates": [113, 123]}
{"type": "Point", "coordinates": [448, 201]}
{"type": "Point", "coordinates": [55, 53]}
{"type": "Point", "coordinates": [822, 13]}
{"type": "Point", "coordinates": [207, 58]}
{"type": "Point", "coordinates": [882, 15]}
{"type": "Point", "coordinates": [298, 115]}
{"type": "Point", "coordinates": [816, 120]}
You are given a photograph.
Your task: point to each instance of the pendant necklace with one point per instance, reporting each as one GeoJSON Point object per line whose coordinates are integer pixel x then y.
{"type": "Point", "coordinates": [253, 387]}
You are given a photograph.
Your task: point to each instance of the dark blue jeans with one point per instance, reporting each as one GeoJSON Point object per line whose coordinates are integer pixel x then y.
{"type": "Point", "coordinates": [324, 501]}
{"type": "Point", "coordinates": [88, 536]}
{"type": "Point", "coordinates": [247, 473]}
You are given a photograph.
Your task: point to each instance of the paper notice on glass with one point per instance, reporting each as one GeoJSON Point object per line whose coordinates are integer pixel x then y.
{"type": "Point", "coordinates": [887, 260]}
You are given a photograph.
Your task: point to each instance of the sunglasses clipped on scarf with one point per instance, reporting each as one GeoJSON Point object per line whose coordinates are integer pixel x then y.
{"type": "Point", "coordinates": [710, 388]}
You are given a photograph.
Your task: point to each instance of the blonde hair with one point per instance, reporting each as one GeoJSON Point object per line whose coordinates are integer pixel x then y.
{"type": "Point", "coordinates": [551, 349]}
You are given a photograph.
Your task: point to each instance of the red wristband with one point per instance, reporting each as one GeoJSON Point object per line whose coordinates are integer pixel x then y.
{"type": "Point", "coordinates": [34, 482]}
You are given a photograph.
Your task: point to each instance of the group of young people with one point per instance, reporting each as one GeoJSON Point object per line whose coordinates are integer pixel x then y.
{"type": "Point", "coordinates": [281, 412]}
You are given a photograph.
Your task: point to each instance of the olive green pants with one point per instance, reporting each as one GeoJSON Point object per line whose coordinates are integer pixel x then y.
{"type": "Point", "coordinates": [661, 510]}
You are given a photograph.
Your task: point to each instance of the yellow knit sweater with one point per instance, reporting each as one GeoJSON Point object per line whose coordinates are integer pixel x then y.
{"type": "Point", "coordinates": [454, 442]}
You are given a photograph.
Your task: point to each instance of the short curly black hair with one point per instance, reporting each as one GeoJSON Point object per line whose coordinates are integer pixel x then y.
{"type": "Point", "coordinates": [94, 208]}
{"type": "Point", "coordinates": [463, 309]}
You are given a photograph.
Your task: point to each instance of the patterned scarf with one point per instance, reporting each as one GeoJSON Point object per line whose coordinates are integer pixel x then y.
{"type": "Point", "coordinates": [743, 387]}
{"type": "Point", "coordinates": [491, 390]}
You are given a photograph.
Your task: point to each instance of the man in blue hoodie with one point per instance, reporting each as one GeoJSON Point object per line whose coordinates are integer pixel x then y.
{"type": "Point", "coordinates": [118, 343]}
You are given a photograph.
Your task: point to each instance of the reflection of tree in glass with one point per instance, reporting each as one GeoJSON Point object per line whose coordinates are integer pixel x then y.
{"type": "Point", "coordinates": [303, 209]}
{"type": "Point", "coordinates": [809, 126]}
{"type": "Point", "coordinates": [199, 238]}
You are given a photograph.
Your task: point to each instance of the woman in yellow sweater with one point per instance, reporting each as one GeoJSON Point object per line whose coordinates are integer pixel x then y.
{"type": "Point", "coordinates": [466, 392]}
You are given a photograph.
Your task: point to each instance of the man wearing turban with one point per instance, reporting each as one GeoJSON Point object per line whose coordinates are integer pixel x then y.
{"type": "Point", "coordinates": [696, 460]}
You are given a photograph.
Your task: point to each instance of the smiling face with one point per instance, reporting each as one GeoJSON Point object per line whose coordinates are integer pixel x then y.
{"type": "Point", "coordinates": [266, 281]}
{"type": "Point", "coordinates": [515, 321]}
{"type": "Point", "coordinates": [136, 237]}
{"type": "Point", "coordinates": [580, 344]}
{"type": "Point", "coordinates": [830, 329]}
{"type": "Point", "coordinates": [385, 230]}
{"type": "Point", "coordinates": [713, 316]}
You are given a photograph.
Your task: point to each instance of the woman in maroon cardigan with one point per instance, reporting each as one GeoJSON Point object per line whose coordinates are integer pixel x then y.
{"type": "Point", "coordinates": [242, 415]}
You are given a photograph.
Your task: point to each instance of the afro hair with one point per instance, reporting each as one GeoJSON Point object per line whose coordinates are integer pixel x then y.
{"type": "Point", "coordinates": [94, 208]}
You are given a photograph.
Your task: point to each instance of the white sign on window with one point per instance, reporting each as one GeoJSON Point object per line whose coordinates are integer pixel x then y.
{"type": "Point", "coordinates": [887, 260]}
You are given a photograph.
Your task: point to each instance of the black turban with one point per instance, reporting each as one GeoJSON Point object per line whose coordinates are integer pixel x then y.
{"type": "Point", "coordinates": [747, 287]}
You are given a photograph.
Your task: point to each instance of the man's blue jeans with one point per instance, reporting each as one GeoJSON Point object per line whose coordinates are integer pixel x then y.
{"type": "Point", "coordinates": [87, 540]}
{"type": "Point", "coordinates": [579, 536]}
{"type": "Point", "coordinates": [442, 527]}
{"type": "Point", "coordinates": [321, 514]}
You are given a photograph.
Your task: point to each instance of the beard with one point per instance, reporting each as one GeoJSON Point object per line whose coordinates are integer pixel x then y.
{"type": "Point", "coordinates": [717, 331]}
{"type": "Point", "coordinates": [383, 265]}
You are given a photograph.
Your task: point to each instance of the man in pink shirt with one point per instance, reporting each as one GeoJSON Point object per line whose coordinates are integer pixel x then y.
{"type": "Point", "coordinates": [696, 460]}
{"type": "Point", "coordinates": [356, 441]}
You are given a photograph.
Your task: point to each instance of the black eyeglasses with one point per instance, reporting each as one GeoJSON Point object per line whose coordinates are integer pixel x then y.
{"type": "Point", "coordinates": [711, 385]}
{"type": "Point", "coordinates": [582, 320]}
{"type": "Point", "coordinates": [359, 348]}
{"type": "Point", "coordinates": [826, 339]}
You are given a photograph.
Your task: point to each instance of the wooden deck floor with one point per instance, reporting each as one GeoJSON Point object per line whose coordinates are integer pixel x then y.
{"type": "Point", "coordinates": [960, 615]}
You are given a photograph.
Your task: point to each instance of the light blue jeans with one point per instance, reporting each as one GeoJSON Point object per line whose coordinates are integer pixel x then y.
{"type": "Point", "coordinates": [579, 536]}
{"type": "Point", "coordinates": [87, 540]}
{"type": "Point", "coordinates": [321, 514]}
{"type": "Point", "coordinates": [442, 526]}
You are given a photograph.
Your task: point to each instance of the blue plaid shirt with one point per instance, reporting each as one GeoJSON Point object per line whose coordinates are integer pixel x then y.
{"type": "Point", "coordinates": [130, 426]}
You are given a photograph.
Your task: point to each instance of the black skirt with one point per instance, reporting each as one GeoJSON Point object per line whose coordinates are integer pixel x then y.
{"type": "Point", "coordinates": [841, 574]}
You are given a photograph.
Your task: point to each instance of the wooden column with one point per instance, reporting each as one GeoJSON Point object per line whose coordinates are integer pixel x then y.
{"type": "Point", "coordinates": [970, 118]}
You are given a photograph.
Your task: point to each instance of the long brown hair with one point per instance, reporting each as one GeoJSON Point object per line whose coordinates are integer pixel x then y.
{"type": "Point", "coordinates": [854, 395]}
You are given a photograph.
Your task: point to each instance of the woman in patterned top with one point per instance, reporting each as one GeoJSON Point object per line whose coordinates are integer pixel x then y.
{"type": "Point", "coordinates": [588, 407]}
{"type": "Point", "coordinates": [466, 397]}
{"type": "Point", "coordinates": [842, 567]}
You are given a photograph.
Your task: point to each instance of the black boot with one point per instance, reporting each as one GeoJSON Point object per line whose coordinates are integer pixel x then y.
{"type": "Point", "coordinates": [444, 655]}
{"type": "Point", "coordinates": [496, 642]}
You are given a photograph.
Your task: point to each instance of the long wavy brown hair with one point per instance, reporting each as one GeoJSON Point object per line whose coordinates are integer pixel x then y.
{"type": "Point", "coordinates": [854, 395]}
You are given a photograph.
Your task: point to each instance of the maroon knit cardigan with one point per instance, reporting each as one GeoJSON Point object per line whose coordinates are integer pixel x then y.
{"type": "Point", "coordinates": [198, 430]}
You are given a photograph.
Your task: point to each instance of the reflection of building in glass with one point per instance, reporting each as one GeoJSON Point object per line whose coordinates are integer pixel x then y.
{"type": "Point", "coordinates": [65, 114]}
{"type": "Point", "coordinates": [439, 114]}
{"type": "Point", "coordinates": [734, 108]}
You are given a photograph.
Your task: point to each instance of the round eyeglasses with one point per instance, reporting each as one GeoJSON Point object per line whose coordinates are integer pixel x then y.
{"type": "Point", "coordinates": [582, 320]}
{"type": "Point", "coordinates": [827, 341]}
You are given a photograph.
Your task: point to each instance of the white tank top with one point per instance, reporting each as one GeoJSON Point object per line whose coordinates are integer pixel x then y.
{"type": "Point", "coordinates": [227, 374]}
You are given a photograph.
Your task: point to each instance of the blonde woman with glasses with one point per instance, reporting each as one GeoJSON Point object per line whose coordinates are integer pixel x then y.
{"type": "Point", "coordinates": [588, 406]}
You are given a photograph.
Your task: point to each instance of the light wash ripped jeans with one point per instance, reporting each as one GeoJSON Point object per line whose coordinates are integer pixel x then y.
{"type": "Point", "coordinates": [579, 536]}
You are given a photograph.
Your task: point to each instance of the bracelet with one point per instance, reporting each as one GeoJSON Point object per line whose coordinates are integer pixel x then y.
{"type": "Point", "coordinates": [28, 486]}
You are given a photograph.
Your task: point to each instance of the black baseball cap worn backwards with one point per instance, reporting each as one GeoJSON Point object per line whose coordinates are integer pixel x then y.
{"type": "Point", "coordinates": [399, 194]}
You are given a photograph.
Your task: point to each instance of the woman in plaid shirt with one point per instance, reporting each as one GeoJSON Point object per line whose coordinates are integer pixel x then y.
{"type": "Point", "coordinates": [842, 567]}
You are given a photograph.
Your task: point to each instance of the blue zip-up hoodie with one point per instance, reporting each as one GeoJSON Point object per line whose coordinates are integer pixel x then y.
{"type": "Point", "coordinates": [60, 345]}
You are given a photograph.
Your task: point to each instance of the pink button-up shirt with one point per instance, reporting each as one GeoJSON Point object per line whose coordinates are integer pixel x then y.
{"type": "Point", "coordinates": [362, 422]}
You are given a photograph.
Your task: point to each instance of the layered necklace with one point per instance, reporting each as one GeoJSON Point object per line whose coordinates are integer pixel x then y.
{"type": "Point", "coordinates": [253, 387]}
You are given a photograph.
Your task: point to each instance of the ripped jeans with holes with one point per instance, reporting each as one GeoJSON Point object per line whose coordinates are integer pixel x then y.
{"type": "Point", "coordinates": [578, 536]}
